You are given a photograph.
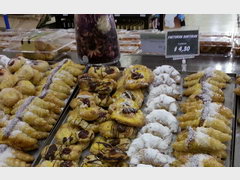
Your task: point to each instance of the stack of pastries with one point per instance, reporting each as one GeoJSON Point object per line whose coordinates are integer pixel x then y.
{"type": "Point", "coordinates": [31, 99]}
{"type": "Point", "coordinates": [206, 122]}
{"type": "Point", "coordinates": [105, 117]}
{"type": "Point", "coordinates": [152, 147]}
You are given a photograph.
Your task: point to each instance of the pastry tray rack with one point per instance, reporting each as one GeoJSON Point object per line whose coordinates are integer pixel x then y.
{"type": "Point", "coordinates": [230, 101]}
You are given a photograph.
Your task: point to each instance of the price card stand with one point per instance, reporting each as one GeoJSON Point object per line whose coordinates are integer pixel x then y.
{"type": "Point", "coordinates": [182, 45]}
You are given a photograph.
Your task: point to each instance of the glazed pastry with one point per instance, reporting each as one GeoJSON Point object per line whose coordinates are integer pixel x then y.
{"type": "Point", "coordinates": [58, 163]}
{"type": "Point", "coordinates": [162, 102]}
{"type": "Point", "coordinates": [102, 72]}
{"type": "Point", "coordinates": [82, 95]}
{"type": "Point", "coordinates": [134, 95]}
{"type": "Point", "coordinates": [16, 63]}
{"type": "Point", "coordinates": [111, 129]}
{"type": "Point", "coordinates": [110, 151]}
{"type": "Point", "coordinates": [164, 89]}
{"type": "Point", "coordinates": [152, 157]}
{"type": "Point", "coordinates": [163, 117]}
{"type": "Point", "coordinates": [147, 140]}
{"type": "Point", "coordinates": [69, 135]}
{"type": "Point", "coordinates": [26, 88]}
{"type": "Point", "coordinates": [88, 83]}
{"type": "Point", "coordinates": [10, 96]}
{"type": "Point", "coordinates": [174, 74]}
{"type": "Point", "coordinates": [137, 77]}
{"type": "Point", "coordinates": [104, 100]}
{"type": "Point", "coordinates": [60, 152]}
{"type": "Point", "coordinates": [94, 161]}
{"type": "Point", "coordinates": [129, 116]}
{"type": "Point", "coordinates": [10, 157]}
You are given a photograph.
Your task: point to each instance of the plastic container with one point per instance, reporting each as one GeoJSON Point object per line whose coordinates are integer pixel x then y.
{"type": "Point", "coordinates": [130, 43]}
{"type": "Point", "coordinates": [215, 45]}
{"type": "Point", "coordinates": [236, 48]}
{"type": "Point", "coordinates": [43, 45]}
{"type": "Point", "coordinates": [129, 49]}
{"type": "Point", "coordinates": [96, 38]}
{"type": "Point", "coordinates": [129, 37]}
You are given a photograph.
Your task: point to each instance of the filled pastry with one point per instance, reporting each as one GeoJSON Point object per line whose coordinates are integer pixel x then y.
{"type": "Point", "coordinates": [102, 72]}
{"type": "Point", "coordinates": [137, 77]}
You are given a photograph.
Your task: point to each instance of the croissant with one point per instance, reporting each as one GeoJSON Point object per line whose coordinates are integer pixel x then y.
{"type": "Point", "coordinates": [163, 79]}
{"type": "Point", "coordinates": [194, 76]}
{"type": "Point", "coordinates": [163, 117]}
{"type": "Point", "coordinates": [152, 157]}
{"type": "Point", "coordinates": [162, 102]}
{"type": "Point", "coordinates": [157, 129]}
{"type": "Point", "coordinates": [169, 70]}
{"type": "Point", "coordinates": [147, 140]}
{"type": "Point", "coordinates": [164, 89]}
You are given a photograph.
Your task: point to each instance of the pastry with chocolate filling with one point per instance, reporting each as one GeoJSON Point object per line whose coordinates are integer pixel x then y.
{"type": "Point", "coordinates": [94, 161]}
{"type": "Point", "coordinates": [70, 135]}
{"type": "Point", "coordinates": [112, 129]}
{"type": "Point", "coordinates": [88, 83]}
{"type": "Point", "coordinates": [111, 72]}
{"type": "Point", "coordinates": [61, 152]}
{"type": "Point", "coordinates": [137, 77]}
{"type": "Point", "coordinates": [110, 150]}
{"type": "Point", "coordinates": [58, 163]}
{"type": "Point", "coordinates": [127, 113]}
{"type": "Point", "coordinates": [16, 63]}
{"type": "Point", "coordinates": [135, 95]}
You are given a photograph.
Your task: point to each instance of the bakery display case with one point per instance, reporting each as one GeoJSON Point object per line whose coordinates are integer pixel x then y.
{"type": "Point", "coordinates": [36, 44]}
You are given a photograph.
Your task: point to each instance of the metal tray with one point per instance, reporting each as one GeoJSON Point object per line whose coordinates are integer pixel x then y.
{"type": "Point", "coordinates": [237, 133]}
{"type": "Point", "coordinates": [230, 101]}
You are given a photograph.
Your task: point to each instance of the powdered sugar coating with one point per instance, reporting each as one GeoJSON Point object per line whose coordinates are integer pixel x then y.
{"type": "Point", "coordinates": [163, 79]}
{"type": "Point", "coordinates": [169, 70]}
{"type": "Point", "coordinates": [7, 153]}
{"type": "Point", "coordinates": [151, 156]}
{"type": "Point", "coordinates": [162, 102]}
{"type": "Point", "coordinates": [147, 140]}
{"type": "Point", "coordinates": [163, 117]}
{"type": "Point", "coordinates": [196, 160]}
